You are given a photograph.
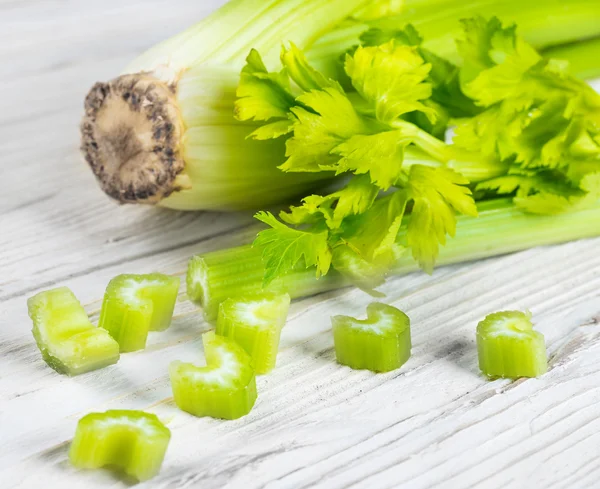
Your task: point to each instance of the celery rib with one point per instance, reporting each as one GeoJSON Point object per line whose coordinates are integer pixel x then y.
{"type": "Point", "coordinates": [581, 55]}
{"type": "Point", "coordinates": [508, 346]}
{"type": "Point", "coordinates": [501, 228]}
{"type": "Point", "coordinates": [136, 304]}
{"type": "Point", "coordinates": [133, 441]}
{"type": "Point", "coordinates": [380, 343]}
{"type": "Point", "coordinates": [225, 388]}
{"type": "Point", "coordinates": [546, 24]}
{"type": "Point", "coordinates": [68, 341]}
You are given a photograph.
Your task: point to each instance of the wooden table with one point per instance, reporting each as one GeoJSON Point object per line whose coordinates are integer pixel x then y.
{"type": "Point", "coordinates": [435, 423]}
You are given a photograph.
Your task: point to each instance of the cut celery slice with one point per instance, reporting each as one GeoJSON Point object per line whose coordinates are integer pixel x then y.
{"type": "Point", "coordinates": [508, 346]}
{"type": "Point", "coordinates": [136, 304]}
{"type": "Point", "coordinates": [133, 441]}
{"type": "Point", "coordinates": [68, 341]}
{"type": "Point", "coordinates": [379, 343]}
{"type": "Point", "coordinates": [225, 388]}
{"type": "Point", "coordinates": [255, 322]}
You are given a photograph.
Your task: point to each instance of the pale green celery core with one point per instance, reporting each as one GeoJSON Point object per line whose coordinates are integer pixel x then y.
{"type": "Point", "coordinates": [223, 374]}
{"type": "Point", "coordinates": [226, 364]}
{"type": "Point", "coordinates": [146, 426]}
{"type": "Point", "coordinates": [252, 313]}
{"type": "Point", "coordinates": [384, 324]}
{"type": "Point", "coordinates": [263, 312]}
{"type": "Point", "coordinates": [517, 327]}
{"type": "Point", "coordinates": [132, 290]}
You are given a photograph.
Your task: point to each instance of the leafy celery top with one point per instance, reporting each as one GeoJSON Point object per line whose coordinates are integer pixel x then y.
{"type": "Point", "coordinates": [524, 128]}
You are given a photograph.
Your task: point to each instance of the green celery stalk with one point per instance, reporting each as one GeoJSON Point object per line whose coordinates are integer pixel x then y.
{"type": "Point", "coordinates": [508, 346]}
{"type": "Point", "coordinates": [133, 441]}
{"type": "Point", "coordinates": [68, 341]}
{"type": "Point", "coordinates": [500, 228]}
{"type": "Point", "coordinates": [225, 388]}
{"type": "Point", "coordinates": [380, 343]}
{"type": "Point", "coordinates": [583, 57]}
{"type": "Point", "coordinates": [136, 304]}
{"type": "Point", "coordinates": [542, 23]}
{"type": "Point", "coordinates": [255, 322]}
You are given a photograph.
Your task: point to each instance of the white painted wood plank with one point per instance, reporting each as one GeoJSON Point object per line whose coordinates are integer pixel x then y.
{"type": "Point", "coordinates": [435, 423]}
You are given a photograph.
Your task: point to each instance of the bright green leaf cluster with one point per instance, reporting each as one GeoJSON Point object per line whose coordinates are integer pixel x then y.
{"type": "Point", "coordinates": [540, 120]}
{"type": "Point", "coordinates": [365, 133]}
{"type": "Point", "coordinates": [525, 127]}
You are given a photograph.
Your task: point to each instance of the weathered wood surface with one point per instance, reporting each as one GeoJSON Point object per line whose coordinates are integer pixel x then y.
{"type": "Point", "coordinates": [434, 423]}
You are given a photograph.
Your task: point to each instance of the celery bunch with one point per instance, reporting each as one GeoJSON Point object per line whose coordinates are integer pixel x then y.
{"type": "Point", "coordinates": [163, 132]}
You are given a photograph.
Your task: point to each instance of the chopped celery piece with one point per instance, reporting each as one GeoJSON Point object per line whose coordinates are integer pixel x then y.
{"type": "Point", "coordinates": [379, 343]}
{"type": "Point", "coordinates": [133, 441]}
{"type": "Point", "coordinates": [508, 346]}
{"type": "Point", "coordinates": [136, 304]}
{"type": "Point", "coordinates": [225, 388]}
{"type": "Point", "coordinates": [69, 342]}
{"type": "Point", "coordinates": [255, 322]}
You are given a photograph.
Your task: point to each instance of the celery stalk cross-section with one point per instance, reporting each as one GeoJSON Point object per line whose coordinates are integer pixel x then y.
{"type": "Point", "coordinates": [136, 304]}
{"type": "Point", "coordinates": [379, 343]}
{"type": "Point", "coordinates": [133, 441]}
{"type": "Point", "coordinates": [255, 323]}
{"type": "Point", "coordinates": [225, 388]}
{"type": "Point", "coordinates": [509, 347]}
{"type": "Point", "coordinates": [69, 342]}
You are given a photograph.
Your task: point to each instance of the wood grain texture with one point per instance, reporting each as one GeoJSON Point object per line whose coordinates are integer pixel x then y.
{"type": "Point", "coordinates": [434, 423]}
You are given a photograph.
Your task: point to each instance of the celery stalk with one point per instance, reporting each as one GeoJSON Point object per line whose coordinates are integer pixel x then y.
{"type": "Point", "coordinates": [255, 322]}
{"type": "Point", "coordinates": [136, 304]}
{"type": "Point", "coordinates": [217, 276]}
{"type": "Point", "coordinates": [69, 343]}
{"type": "Point", "coordinates": [225, 388]}
{"type": "Point", "coordinates": [508, 346]}
{"type": "Point", "coordinates": [500, 228]}
{"type": "Point", "coordinates": [379, 343]}
{"type": "Point", "coordinates": [542, 23]}
{"type": "Point", "coordinates": [583, 57]}
{"type": "Point", "coordinates": [133, 441]}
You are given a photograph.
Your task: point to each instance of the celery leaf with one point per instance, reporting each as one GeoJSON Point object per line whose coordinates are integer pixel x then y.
{"type": "Point", "coordinates": [358, 196]}
{"type": "Point", "coordinates": [380, 155]}
{"type": "Point", "coordinates": [326, 119]}
{"type": "Point", "coordinates": [436, 193]}
{"type": "Point", "coordinates": [392, 78]}
{"type": "Point", "coordinates": [283, 248]}
{"type": "Point", "coordinates": [495, 60]}
{"type": "Point", "coordinates": [262, 95]}
{"type": "Point", "coordinates": [304, 75]}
